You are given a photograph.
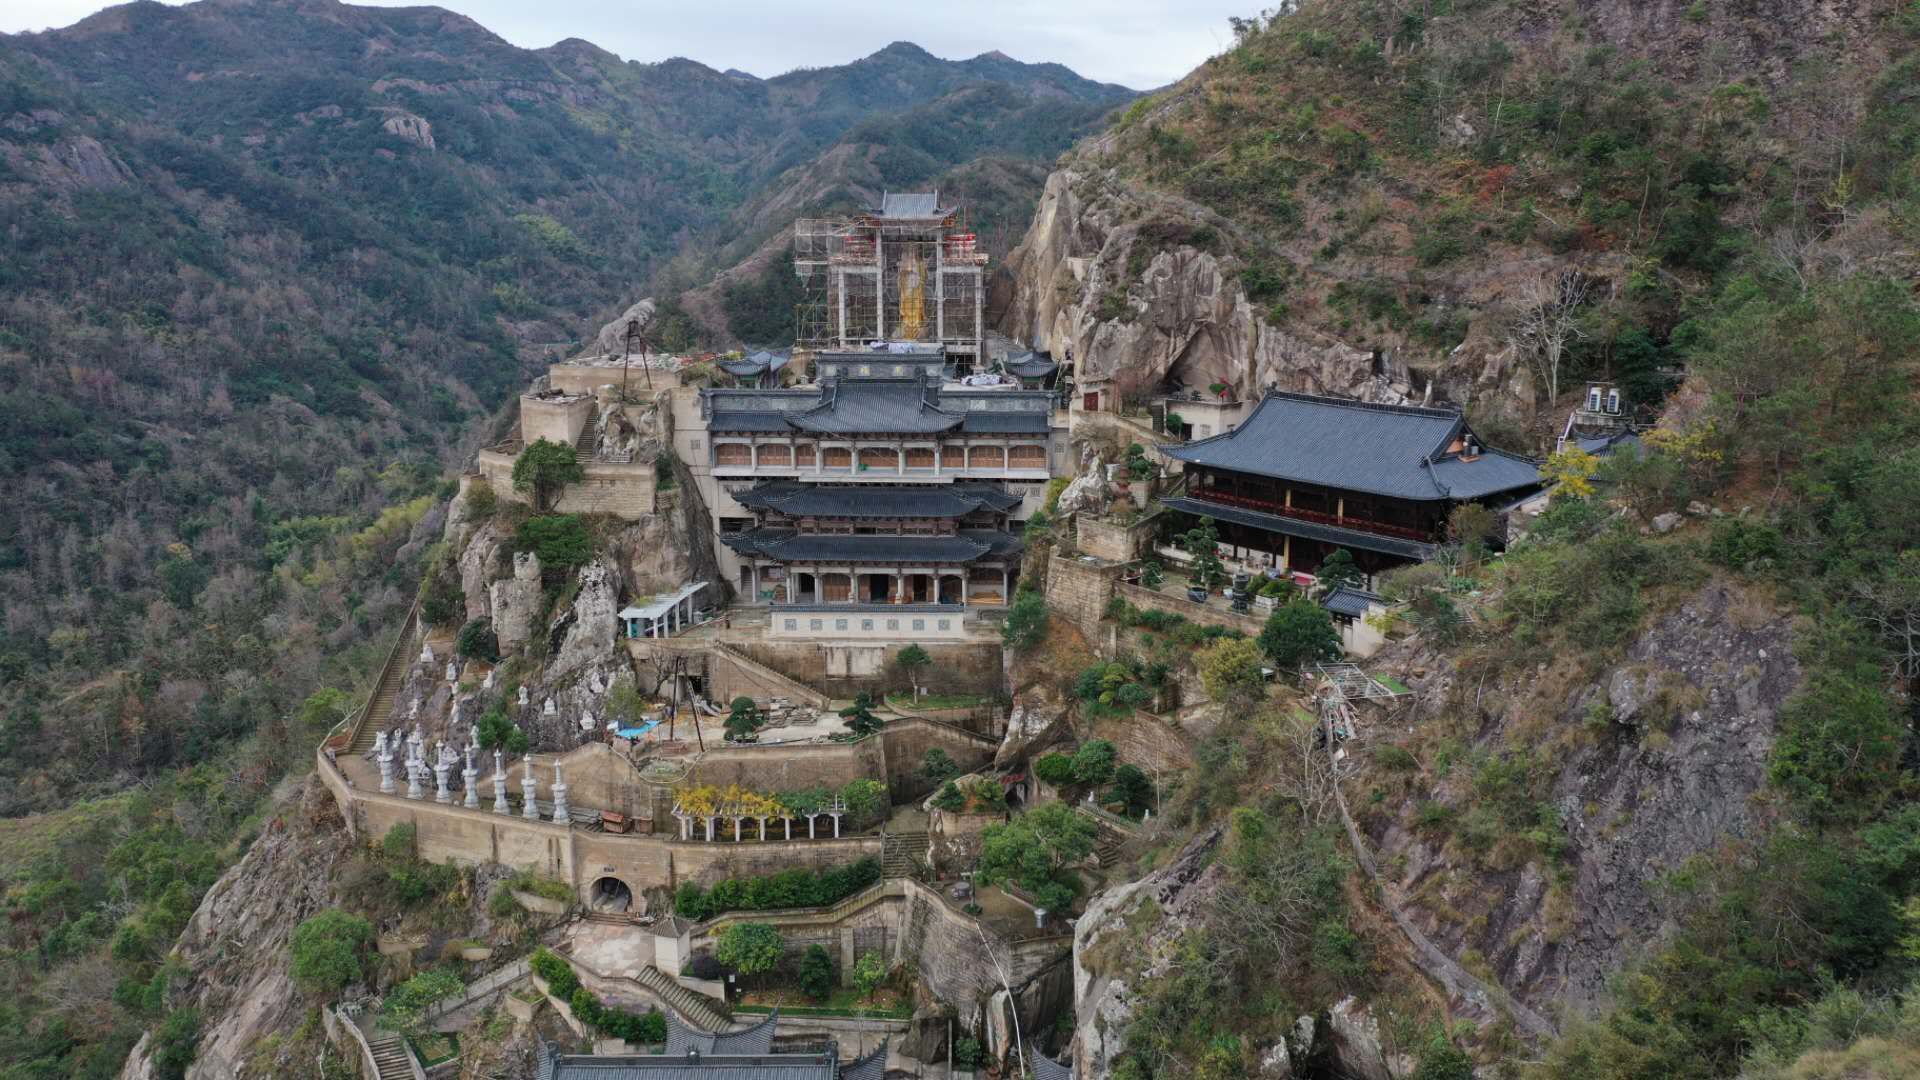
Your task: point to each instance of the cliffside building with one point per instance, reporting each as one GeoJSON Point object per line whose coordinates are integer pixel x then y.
{"type": "Point", "coordinates": [1304, 475]}
{"type": "Point", "coordinates": [882, 503]}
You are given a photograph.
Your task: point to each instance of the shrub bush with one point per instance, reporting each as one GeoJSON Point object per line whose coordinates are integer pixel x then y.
{"type": "Point", "coordinates": [327, 948]}
{"type": "Point", "coordinates": [786, 889]}
{"type": "Point", "coordinates": [1055, 769]}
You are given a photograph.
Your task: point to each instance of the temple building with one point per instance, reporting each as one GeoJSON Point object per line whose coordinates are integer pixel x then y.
{"type": "Point", "coordinates": [888, 489]}
{"type": "Point", "coordinates": [1304, 475]}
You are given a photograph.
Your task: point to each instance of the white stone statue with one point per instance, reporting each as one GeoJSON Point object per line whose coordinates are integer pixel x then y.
{"type": "Point", "coordinates": [487, 683]}
{"type": "Point", "coordinates": [453, 671]}
{"type": "Point", "coordinates": [549, 708]}
{"type": "Point", "coordinates": [426, 654]}
{"type": "Point", "coordinates": [594, 685]}
{"type": "Point", "coordinates": [523, 695]}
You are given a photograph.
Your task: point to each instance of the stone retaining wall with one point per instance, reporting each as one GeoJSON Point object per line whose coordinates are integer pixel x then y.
{"type": "Point", "coordinates": [1078, 590]}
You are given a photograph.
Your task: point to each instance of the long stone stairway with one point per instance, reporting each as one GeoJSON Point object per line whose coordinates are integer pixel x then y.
{"type": "Point", "coordinates": [898, 852]}
{"type": "Point", "coordinates": [390, 1057]}
{"type": "Point", "coordinates": [380, 706]}
{"type": "Point", "coordinates": [787, 685]}
{"type": "Point", "coordinates": [589, 437]}
{"type": "Point", "coordinates": [696, 1009]}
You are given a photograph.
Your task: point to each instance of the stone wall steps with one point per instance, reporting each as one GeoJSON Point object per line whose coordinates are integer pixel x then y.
{"type": "Point", "coordinates": [390, 1057]}
{"type": "Point", "coordinates": [379, 708]}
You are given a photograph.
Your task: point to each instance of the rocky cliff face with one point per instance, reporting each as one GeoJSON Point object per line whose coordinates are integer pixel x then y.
{"type": "Point", "coordinates": [234, 948]}
{"type": "Point", "coordinates": [1111, 273]}
{"type": "Point", "coordinates": [1673, 748]}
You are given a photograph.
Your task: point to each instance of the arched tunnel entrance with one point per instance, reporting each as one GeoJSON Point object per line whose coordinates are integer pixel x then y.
{"type": "Point", "coordinates": [611, 895]}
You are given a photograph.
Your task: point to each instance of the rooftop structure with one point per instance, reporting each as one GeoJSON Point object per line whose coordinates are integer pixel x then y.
{"type": "Point", "coordinates": [906, 270]}
{"type": "Point", "coordinates": [1304, 475]}
{"type": "Point", "coordinates": [692, 1054]}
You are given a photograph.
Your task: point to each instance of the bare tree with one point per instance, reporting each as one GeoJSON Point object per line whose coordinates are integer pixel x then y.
{"type": "Point", "coordinates": [1546, 321]}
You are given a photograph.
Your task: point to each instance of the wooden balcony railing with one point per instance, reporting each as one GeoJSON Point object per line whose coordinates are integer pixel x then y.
{"type": "Point", "coordinates": [1266, 506]}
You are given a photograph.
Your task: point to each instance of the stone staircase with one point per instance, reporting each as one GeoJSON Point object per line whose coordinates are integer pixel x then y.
{"type": "Point", "coordinates": [788, 686]}
{"type": "Point", "coordinates": [589, 437]}
{"type": "Point", "coordinates": [390, 1057]}
{"type": "Point", "coordinates": [379, 708]}
{"type": "Point", "coordinates": [697, 1009]}
{"type": "Point", "coordinates": [898, 851]}
{"type": "Point", "coordinates": [1107, 851]}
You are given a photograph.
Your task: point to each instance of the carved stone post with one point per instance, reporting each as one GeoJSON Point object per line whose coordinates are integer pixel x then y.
{"type": "Point", "coordinates": [529, 789]}
{"type": "Point", "coordinates": [471, 776]}
{"type": "Point", "coordinates": [499, 785]}
{"type": "Point", "coordinates": [385, 757]}
{"type": "Point", "coordinates": [559, 796]}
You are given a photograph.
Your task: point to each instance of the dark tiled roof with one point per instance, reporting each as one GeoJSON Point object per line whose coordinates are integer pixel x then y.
{"type": "Point", "coordinates": [1030, 367]}
{"type": "Point", "coordinates": [925, 501]}
{"type": "Point", "coordinates": [557, 1066]}
{"type": "Point", "coordinates": [750, 420]}
{"type": "Point", "coordinates": [1607, 444]}
{"type": "Point", "coordinates": [876, 405]}
{"type": "Point", "coordinates": [871, 1067]}
{"type": "Point", "coordinates": [1351, 602]}
{"type": "Point", "coordinates": [1394, 450]}
{"type": "Point", "coordinates": [1307, 530]}
{"type": "Point", "coordinates": [911, 205]}
{"type": "Point", "coordinates": [757, 1039]}
{"type": "Point", "coordinates": [791, 545]}
{"type": "Point", "coordinates": [1005, 422]}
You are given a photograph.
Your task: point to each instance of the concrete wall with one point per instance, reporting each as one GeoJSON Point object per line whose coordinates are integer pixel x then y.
{"type": "Point", "coordinates": [827, 627]}
{"type": "Point", "coordinates": [1146, 740]}
{"type": "Point", "coordinates": [907, 741]}
{"type": "Point", "coordinates": [626, 490]}
{"type": "Point", "coordinates": [558, 419]}
{"type": "Point", "coordinates": [845, 670]}
{"type": "Point", "coordinates": [1078, 590]}
{"type": "Point", "coordinates": [1114, 543]}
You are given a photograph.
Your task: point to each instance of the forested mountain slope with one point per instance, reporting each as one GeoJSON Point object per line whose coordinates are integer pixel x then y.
{"type": "Point", "coordinates": [1377, 192]}
{"type": "Point", "coordinates": [1655, 799]}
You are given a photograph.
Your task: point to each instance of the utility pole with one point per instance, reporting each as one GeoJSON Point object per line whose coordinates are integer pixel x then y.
{"type": "Point", "coordinates": [634, 333]}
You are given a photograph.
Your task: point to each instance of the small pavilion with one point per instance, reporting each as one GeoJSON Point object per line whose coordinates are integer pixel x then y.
{"type": "Point", "coordinates": [662, 615]}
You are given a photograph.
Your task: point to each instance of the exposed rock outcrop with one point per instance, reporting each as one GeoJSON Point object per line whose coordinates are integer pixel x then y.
{"type": "Point", "coordinates": [514, 601]}
{"type": "Point", "coordinates": [612, 338]}
{"type": "Point", "coordinates": [1120, 941]}
{"type": "Point", "coordinates": [1678, 736]}
{"type": "Point", "coordinates": [251, 912]}
{"type": "Point", "coordinates": [1178, 313]}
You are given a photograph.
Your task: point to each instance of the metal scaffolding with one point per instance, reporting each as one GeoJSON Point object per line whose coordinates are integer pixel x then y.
{"type": "Point", "coordinates": [869, 277]}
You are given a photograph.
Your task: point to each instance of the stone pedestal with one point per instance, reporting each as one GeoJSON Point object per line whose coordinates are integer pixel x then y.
{"type": "Point", "coordinates": [499, 786]}
{"type": "Point", "coordinates": [529, 788]}
{"type": "Point", "coordinates": [472, 776]}
{"type": "Point", "coordinates": [559, 797]}
{"type": "Point", "coordinates": [386, 771]}
{"type": "Point", "coordinates": [414, 769]}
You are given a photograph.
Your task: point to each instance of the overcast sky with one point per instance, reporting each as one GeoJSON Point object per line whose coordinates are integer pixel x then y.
{"type": "Point", "coordinates": [1137, 43]}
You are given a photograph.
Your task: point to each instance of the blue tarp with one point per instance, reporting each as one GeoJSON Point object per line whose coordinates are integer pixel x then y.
{"type": "Point", "coordinates": [637, 732]}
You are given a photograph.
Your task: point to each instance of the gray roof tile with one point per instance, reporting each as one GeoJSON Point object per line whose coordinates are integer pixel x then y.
{"type": "Point", "coordinates": [790, 545]}
{"type": "Point", "coordinates": [757, 1039]}
{"type": "Point", "coordinates": [1350, 602]}
{"type": "Point", "coordinates": [853, 406]}
{"type": "Point", "coordinates": [871, 501]}
{"type": "Point", "coordinates": [1394, 450]}
{"type": "Point", "coordinates": [910, 205]}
